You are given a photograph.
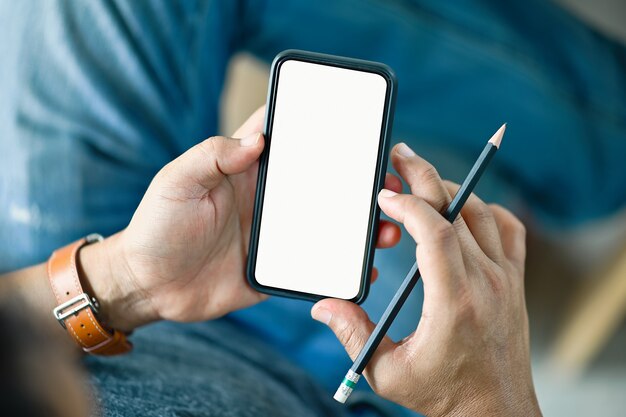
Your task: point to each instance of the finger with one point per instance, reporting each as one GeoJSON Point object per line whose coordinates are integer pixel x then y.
{"type": "Point", "coordinates": [393, 183]}
{"type": "Point", "coordinates": [352, 327]}
{"type": "Point", "coordinates": [374, 276]}
{"type": "Point", "coordinates": [389, 234]}
{"type": "Point", "coordinates": [425, 182]}
{"type": "Point", "coordinates": [481, 223]}
{"type": "Point", "coordinates": [422, 178]}
{"type": "Point", "coordinates": [207, 163]}
{"type": "Point", "coordinates": [438, 251]}
{"type": "Point", "coordinates": [513, 234]}
{"type": "Point", "coordinates": [253, 124]}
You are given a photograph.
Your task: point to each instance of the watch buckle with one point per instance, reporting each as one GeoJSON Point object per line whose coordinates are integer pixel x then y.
{"type": "Point", "coordinates": [73, 306]}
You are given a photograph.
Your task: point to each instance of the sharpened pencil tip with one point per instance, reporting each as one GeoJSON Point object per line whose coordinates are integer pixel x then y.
{"type": "Point", "coordinates": [497, 137]}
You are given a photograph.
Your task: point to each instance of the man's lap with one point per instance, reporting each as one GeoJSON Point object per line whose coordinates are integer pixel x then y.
{"type": "Point", "coordinates": [204, 369]}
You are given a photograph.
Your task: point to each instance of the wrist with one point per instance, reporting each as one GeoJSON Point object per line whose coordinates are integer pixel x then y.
{"type": "Point", "coordinates": [512, 404]}
{"type": "Point", "coordinates": [122, 305]}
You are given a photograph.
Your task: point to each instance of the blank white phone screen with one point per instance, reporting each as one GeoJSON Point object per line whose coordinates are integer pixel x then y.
{"type": "Point", "coordinates": [320, 179]}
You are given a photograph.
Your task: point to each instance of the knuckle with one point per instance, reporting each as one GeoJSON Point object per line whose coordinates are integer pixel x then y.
{"type": "Point", "coordinates": [497, 207]}
{"type": "Point", "coordinates": [165, 172]}
{"type": "Point", "coordinates": [443, 232]}
{"type": "Point", "coordinates": [210, 146]}
{"type": "Point", "coordinates": [213, 139]}
{"type": "Point", "coordinates": [428, 174]}
{"type": "Point", "coordinates": [459, 223]}
{"type": "Point", "coordinates": [509, 220]}
{"type": "Point", "coordinates": [211, 149]}
{"type": "Point", "coordinates": [496, 278]}
{"type": "Point", "coordinates": [432, 189]}
{"type": "Point", "coordinates": [513, 231]}
{"type": "Point", "coordinates": [409, 206]}
{"type": "Point", "coordinates": [407, 201]}
{"type": "Point", "coordinates": [518, 227]}
{"type": "Point", "coordinates": [440, 202]}
{"type": "Point", "coordinates": [349, 337]}
{"type": "Point", "coordinates": [482, 212]}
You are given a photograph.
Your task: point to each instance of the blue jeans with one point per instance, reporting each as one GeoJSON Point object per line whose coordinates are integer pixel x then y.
{"type": "Point", "coordinates": [205, 369]}
{"type": "Point", "coordinates": [97, 96]}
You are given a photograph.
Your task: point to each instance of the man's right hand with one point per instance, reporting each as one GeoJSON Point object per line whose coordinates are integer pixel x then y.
{"type": "Point", "coordinates": [469, 355]}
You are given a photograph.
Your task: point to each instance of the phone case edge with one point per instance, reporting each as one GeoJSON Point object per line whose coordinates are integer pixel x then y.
{"type": "Point", "coordinates": [344, 62]}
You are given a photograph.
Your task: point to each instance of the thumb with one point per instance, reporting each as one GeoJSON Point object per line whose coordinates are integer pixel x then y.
{"type": "Point", "coordinates": [208, 162]}
{"type": "Point", "coordinates": [351, 325]}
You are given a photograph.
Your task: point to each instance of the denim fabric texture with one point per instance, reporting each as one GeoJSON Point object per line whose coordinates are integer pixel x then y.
{"type": "Point", "coordinates": [205, 369]}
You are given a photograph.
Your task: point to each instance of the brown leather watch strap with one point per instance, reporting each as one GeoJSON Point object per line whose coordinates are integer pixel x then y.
{"type": "Point", "coordinates": [77, 311]}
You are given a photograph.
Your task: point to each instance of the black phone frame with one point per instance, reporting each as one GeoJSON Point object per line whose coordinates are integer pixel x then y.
{"type": "Point", "coordinates": [379, 179]}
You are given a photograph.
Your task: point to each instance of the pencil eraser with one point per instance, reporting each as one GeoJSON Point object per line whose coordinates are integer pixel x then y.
{"type": "Point", "coordinates": [342, 394]}
{"type": "Point", "coordinates": [346, 387]}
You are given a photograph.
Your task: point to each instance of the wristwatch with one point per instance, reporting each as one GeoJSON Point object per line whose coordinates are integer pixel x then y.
{"type": "Point", "coordinates": [77, 311]}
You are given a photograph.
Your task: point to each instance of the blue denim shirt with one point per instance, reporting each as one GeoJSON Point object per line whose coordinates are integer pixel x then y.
{"type": "Point", "coordinates": [97, 96]}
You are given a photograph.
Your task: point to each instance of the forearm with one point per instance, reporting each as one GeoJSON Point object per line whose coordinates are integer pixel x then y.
{"type": "Point", "coordinates": [101, 269]}
{"type": "Point", "coordinates": [29, 290]}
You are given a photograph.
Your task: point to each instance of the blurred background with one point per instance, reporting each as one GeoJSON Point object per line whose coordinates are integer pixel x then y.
{"type": "Point", "coordinates": [576, 278]}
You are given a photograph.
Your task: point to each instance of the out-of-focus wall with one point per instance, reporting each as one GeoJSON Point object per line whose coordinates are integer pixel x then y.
{"type": "Point", "coordinates": [608, 16]}
{"type": "Point", "coordinates": [244, 91]}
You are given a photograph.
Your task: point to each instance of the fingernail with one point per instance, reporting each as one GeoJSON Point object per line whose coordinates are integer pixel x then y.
{"type": "Point", "coordinates": [385, 193]}
{"type": "Point", "coordinates": [404, 150]}
{"type": "Point", "coordinates": [250, 140]}
{"type": "Point", "coordinates": [322, 315]}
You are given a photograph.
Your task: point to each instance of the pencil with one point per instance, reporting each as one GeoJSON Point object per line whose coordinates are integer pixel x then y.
{"type": "Point", "coordinates": [352, 376]}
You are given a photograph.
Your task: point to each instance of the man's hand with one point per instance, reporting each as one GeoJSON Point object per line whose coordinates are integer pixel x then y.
{"type": "Point", "coordinates": [469, 355]}
{"type": "Point", "coordinates": [183, 255]}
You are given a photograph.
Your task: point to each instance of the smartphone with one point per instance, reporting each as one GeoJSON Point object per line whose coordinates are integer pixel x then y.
{"type": "Point", "coordinates": [327, 127]}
